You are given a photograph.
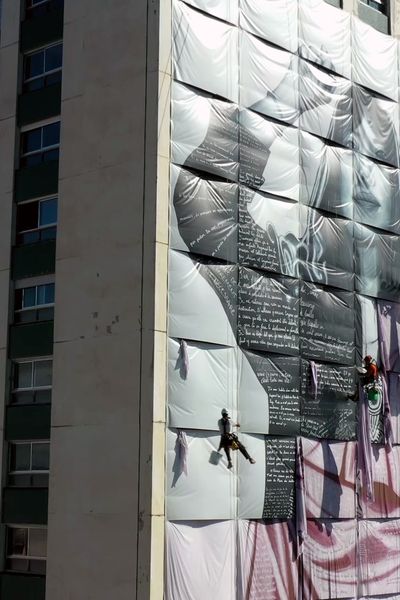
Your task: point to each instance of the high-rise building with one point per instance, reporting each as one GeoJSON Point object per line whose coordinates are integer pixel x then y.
{"type": "Point", "coordinates": [199, 210]}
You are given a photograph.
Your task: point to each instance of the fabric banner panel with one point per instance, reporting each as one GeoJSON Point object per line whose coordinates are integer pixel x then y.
{"type": "Point", "coordinates": [375, 126]}
{"type": "Point", "coordinates": [325, 104]}
{"type": "Point", "coordinates": [329, 479]}
{"type": "Point", "coordinates": [386, 503]}
{"type": "Point", "coordinates": [389, 334]}
{"type": "Point", "coordinates": [377, 263]}
{"type": "Point", "coordinates": [204, 216]}
{"type": "Point", "coordinates": [267, 488]}
{"type": "Point", "coordinates": [324, 36]}
{"type": "Point", "coordinates": [326, 176]}
{"type": "Point", "coordinates": [196, 397]}
{"type": "Point", "coordinates": [208, 490]}
{"type": "Point", "coordinates": [376, 194]}
{"type": "Point", "coordinates": [269, 156]}
{"type": "Point", "coordinates": [268, 310]}
{"type": "Point", "coordinates": [275, 21]}
{"type": "Point", "coordinates": [227, 10]}
{"type": "Point", "coordinates": [268, 395]}
{"type": "Point", "coordinates": [214, 575]}
{"type": "Point", "coordinates": [380, 557]}
{"type": "Point", "coordinates": [327, 412]}
{"type": "Point", "coordinates": [204, 133]}
{"type": "Point", "coordinates": [205, 52]}
{"type": "Point", "coordinates": [268, 233]}
{"type": "Point", "coordinates": [326, 324]}
{"type": "Point", "coordinates": [202, 300]}
{"type": "Point", "coordinates": [394, 398]}
{"type": "Point", "coordinates": [366, 328]}
{"type": "Point", "coordinates": [329, 560]}
{"type": "Point", "coordinates": [375, 61]}
{"type": "Point", "coordinates": [326, 249]}
{"type": "Point", "coordinates": [267, 561]}
{"type": "Point", "coordinates": [268, 79]}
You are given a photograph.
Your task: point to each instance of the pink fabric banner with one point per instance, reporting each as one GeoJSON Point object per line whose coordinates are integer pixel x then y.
{"type": "Point", "coordinates": [329, 474]}
{"type": "Point", "coordinates": [386, 485]}
{"type": "Point", "coordinates": [267, 561]}
{"type": "Point", "coordinates": [329, 560]}
{"type": "Point", "coordinates": [379, 553]}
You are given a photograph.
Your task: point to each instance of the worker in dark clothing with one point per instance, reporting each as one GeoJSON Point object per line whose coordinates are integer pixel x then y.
{"type": "Point", "coordinates": [229, 441]}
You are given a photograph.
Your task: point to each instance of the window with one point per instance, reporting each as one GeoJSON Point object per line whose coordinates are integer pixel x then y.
{"type": "Point", "coordinates": [42, 68]}
{"type": "Point", "coordinates": [32, 381]}
{"type": "Point", "coordinates": [40, 145]}
{"type": "Point", "coordinates": [26, 549]}
{"type": "Point", "coordinates": [36, 221]}
{"type": "Point", "coordinates": [380, 5]}
{"type": "Point", "coordinates": [29, 464]}
{"type": "Point", "coordinates": [34, 303]}
{"type": "Point", "coordinates": [37, 8]}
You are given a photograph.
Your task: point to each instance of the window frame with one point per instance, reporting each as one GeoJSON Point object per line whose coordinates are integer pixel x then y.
{"type": "Point", "coordinates": [33, 387]}
{"type": "Point", "coordinates": [27, 471]}
{"type": "Point", "coordinates": [39, 228]}
{"type": "Point", "coordinates": [43, 150]}
{"type": "Point", "coordinates": [45, 73]}
{"type": "Point", "coordinates": [35, 306]}
{"type": "Point", "coordinates": [28, 558]}
{"type": "Point", "coordinates": [386, 5]}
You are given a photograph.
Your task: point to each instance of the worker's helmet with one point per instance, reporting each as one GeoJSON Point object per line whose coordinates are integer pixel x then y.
{"type": "Point", "coordinates": [224, 412]}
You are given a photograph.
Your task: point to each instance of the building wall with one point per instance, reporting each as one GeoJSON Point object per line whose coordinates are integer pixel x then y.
{"type": "Point", "coordinates": [100, 510]}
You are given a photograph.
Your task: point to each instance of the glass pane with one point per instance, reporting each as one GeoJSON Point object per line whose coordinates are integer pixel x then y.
{"type": "Point", "coordinates": [53, 58]}
{"type": "Point", "coordinates": [32, 160]}
{"type": "Point", "coordinates": [28, 238]}
{"type": "Point", "coordinates": [43, 373]}
{"type": "Point", "coordinates": [31, 140]}
{"type": "Point", "coordinates": [43, 397]}
{"type": "Point", "coordinates": [50, 233]}
{"type": "Point", "coordinates": [48, 212]}
{"type": "Point", "coordinates": [26, 316]}
{"type": "Point", "coordinates": [51, 134]}
{"type": "Point", "coordinates": [35, 84]}
{"type": "Point", "coordinates": [18, 541]}
{"type": "Point", "coordinates": [28, 297]}
{"type": "Point", "coordinates": [20, 457]}
{"type": "Point", "coordinates": [40, 456]}
{"type": "Point", "coordinates": [49, 293]}
{"type": "Point", "coordinates": [23, 375]}
{"type": "Point", "coordinates": [38, 542]}
{"type": "Point", "coordinates": [22, 397]}
{"type": "Point", "coordinates": [34, 65]}
{"type": "Point", "coordinates": [27, 216]}
{"type": "Point", "coordinates": [45, 314]}
{"type": "Point", "coordinates": [51, 155]}
{"type": "Point", "coordinates": [53, 78]}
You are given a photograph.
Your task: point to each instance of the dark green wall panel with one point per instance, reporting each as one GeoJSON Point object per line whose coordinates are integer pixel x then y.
{"type": "Point", "coordinates": [33, 339]}
{"type": "Point", "coordinates": [34, 259]}
{"type": "Point", "coordinates": [29, 422]}
{"type": "Point", "coordinates": [42, 30]}
{"type": "Point", "coordinates": [22, 587]}
{"type": "Point", "coordinates": [39, 105]}
{"type": "Point", "coordinates": [33, 182]}
{"type": "Point", "coordinates": [25, 505]}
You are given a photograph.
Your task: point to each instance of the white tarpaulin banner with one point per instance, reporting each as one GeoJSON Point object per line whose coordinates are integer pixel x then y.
{"type": "Point", "coordinates": [273, 20]}
{"type": "Point", "coordinates": [269, 156]}
{"type": "Point", "coordinates": [227, 10]}
{"type": "Point", "coordinates": [268, 79]}
{"type": "Point", "coordinates": [205, 52]}
{"type": "Point", "coordinates": [326, 176]}
{"type": "Point", "coordinates": [204, 133]}
{"type": "Point", "coordinates": [375, 62]}
{"type": "Point", "coordinates": [324, 36]}
{"type": "Point", "coordinates": [366, 328]}
{"type": "Point", "coordinates": [202, 300]}
{"type": "Point", "coordinates": [196, 397]}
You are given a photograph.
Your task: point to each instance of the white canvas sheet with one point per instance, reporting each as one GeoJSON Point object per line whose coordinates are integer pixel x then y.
{"type": "Point", "coordinates": [209, 490]}
{"type": "Point", "coordinates": [205, 52]}
{"type": "Point", "coordinates": [325, 104]}
{"type": "Point", "coordinates": [196, 311]}
{"type": "Point", "coordinates": [200, 560]}
{"type": "Point", "coordinates": [268, 79]}
{"type": "Point", "coordinates": [251, 478]}
{"type": "Point", "coordinates": [324, 36]}
{"type": "Point", "coordinates": [366, 328]}
{"type": "Point", "coordinates": [326, 176]}
{"type": "Point", "coordinates": [196, 401]}
{"type": "Point", "coordinates": [273, 20]}
{"type": "Point", "coordinates": [204, 133]}
{"type": "Point", "coordinates": [204, 215]}
{"type": "Point", "coordinates": [375, 61]}
{"type": "Point", "coordinates": [269, 156]}
{"type": "Point", "coordinates": [227, 10]}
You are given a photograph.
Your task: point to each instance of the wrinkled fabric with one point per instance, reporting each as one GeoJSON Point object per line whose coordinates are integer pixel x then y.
{"type": "Point", "coordinates": [183, 449]}
{"type": "Point", "coordinates": [301, 518]}
{"type": "Point", "coordinates": [364, 446]}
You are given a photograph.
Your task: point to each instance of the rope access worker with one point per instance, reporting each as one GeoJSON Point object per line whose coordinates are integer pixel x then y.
{"type": "Point", "coordinates": [229, 441]}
